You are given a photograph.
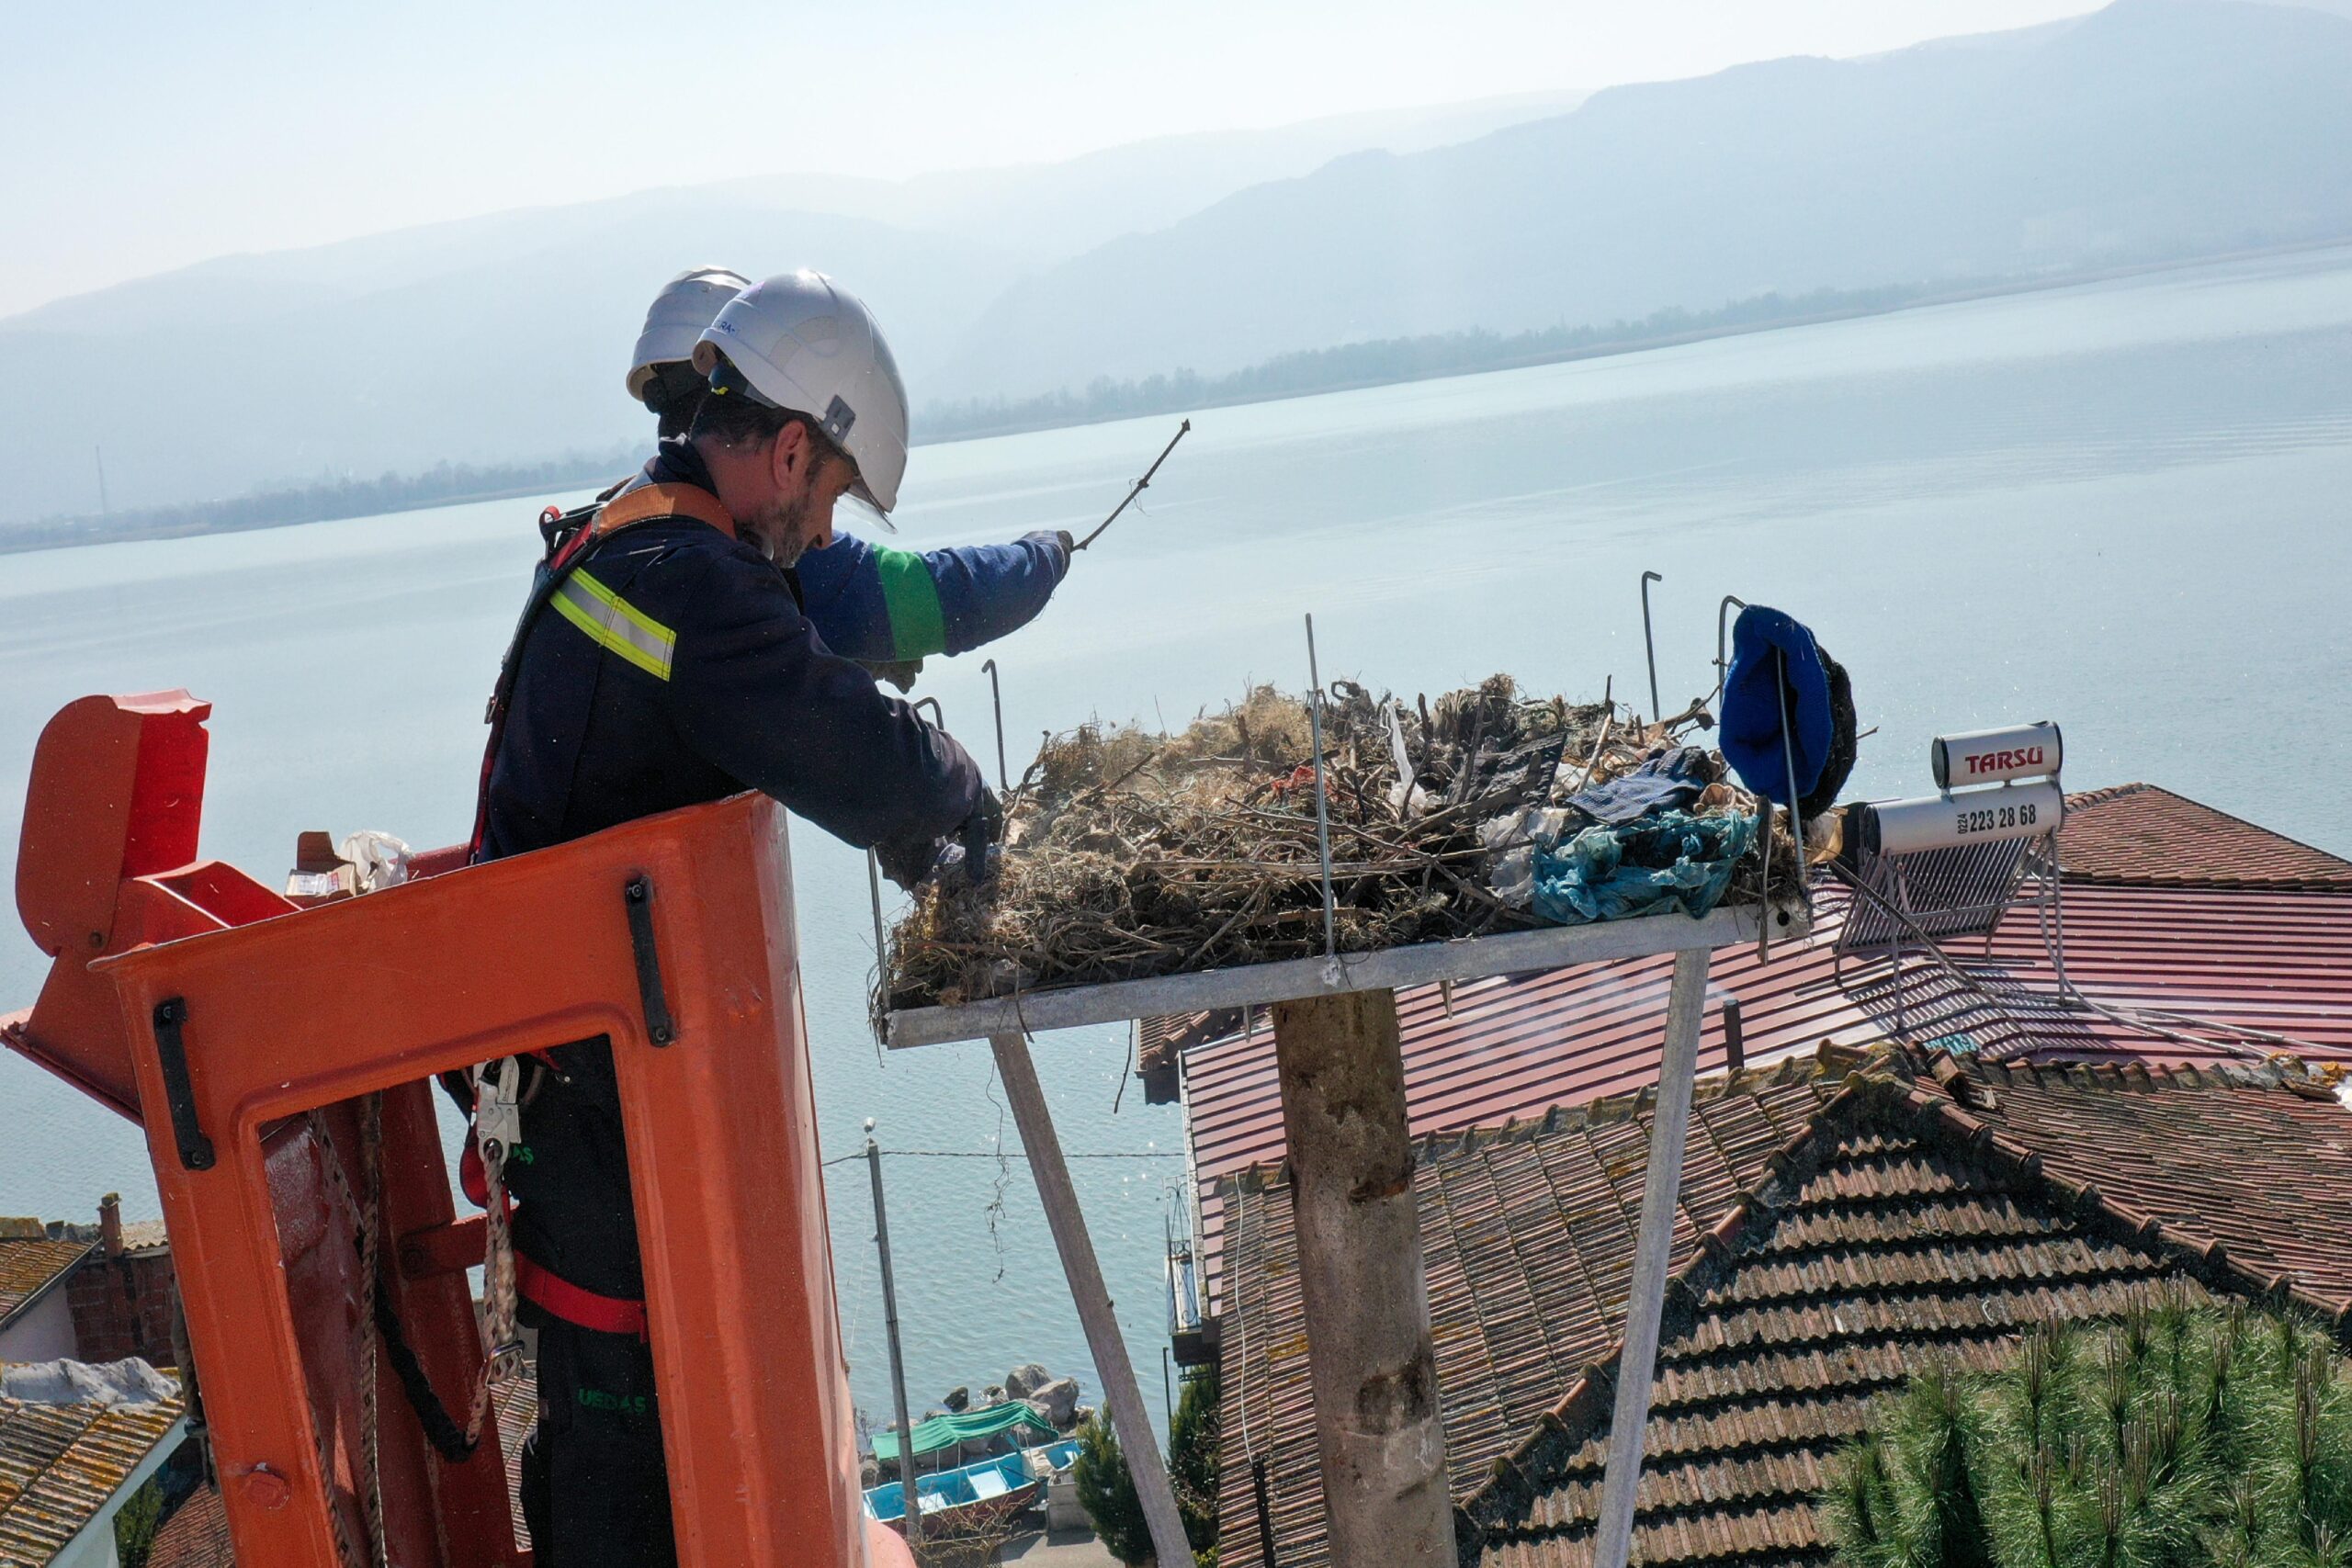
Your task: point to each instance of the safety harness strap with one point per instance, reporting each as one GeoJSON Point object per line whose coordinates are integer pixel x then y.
{"type": "Point", "coordinates": [647, 504]}
{"type": "Point", "coordinates": [552, 1293]}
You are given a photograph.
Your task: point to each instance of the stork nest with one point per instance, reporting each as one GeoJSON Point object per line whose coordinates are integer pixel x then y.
{"type": "Point", "coordinates": [1130, 854]}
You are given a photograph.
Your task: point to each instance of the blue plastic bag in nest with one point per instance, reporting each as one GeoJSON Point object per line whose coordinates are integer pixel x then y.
{"type": "Point", "coordinates": [1608, 872]}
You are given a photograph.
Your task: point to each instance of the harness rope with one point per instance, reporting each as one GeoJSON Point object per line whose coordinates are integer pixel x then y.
{"type": "Point", "coordinates": [347, 1551]}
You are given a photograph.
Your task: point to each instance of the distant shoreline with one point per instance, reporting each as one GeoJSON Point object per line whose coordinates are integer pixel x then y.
{"type": "Point", "coordinates": [1312, 373]}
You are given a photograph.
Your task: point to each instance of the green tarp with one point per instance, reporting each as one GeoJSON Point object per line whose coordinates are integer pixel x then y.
{"type": "Point", "coordinates": [946, 1431]}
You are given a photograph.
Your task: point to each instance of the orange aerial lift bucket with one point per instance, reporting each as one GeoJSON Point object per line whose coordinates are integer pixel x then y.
{"type": "Point", "coordinates": [220, 1015]}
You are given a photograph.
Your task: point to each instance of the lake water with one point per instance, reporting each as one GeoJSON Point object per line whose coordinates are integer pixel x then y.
{"type": "Point", "coordinates": [2120, 506]}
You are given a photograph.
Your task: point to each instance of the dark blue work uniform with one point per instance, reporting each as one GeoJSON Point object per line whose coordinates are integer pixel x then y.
{"type": "Point", "coordinates": [674, 666]}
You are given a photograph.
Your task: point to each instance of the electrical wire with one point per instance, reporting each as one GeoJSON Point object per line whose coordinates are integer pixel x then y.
{"type": "Point", "coordinates": [992, 1154]}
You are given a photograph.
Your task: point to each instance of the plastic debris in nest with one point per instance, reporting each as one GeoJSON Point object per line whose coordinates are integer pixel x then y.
{"type": "Point", "coordinates": [1130, 853]}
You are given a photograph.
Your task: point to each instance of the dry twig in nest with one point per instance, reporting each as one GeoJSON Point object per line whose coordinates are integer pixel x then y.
{"type": "Point", "coordinates": [1131, 854]}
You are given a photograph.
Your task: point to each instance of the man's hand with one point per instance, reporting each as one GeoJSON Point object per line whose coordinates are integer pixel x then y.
{"type": "Point", "coordinates": [967, 857]}
{"type": "Point", "coordinates": [1069, 544]}
{"type": "Point", "coordinates": [900, 672]}
{"type": "Point", "coordinates": [981, 834]}
{"type": "Point", "coordinates": [906, 865]}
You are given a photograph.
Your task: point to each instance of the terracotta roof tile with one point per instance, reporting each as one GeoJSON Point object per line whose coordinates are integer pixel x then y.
{"type": "Point", "coordinates": [58, 1464]}
{"type": "Point", "coordinates": [26, 1267]}
{"type": "Point", "coordinates": [2140, 835]}
{"type": "Point", "coordinates": [1157, 1040]}
{"type": "Point", "coordinates": [196, 1535]}
{"type": "Point", "coordinates": [2257, 961]}
{"type": "Point", "coordinates": [1865, 1223]}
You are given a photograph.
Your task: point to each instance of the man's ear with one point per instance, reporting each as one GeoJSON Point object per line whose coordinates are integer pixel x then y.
{"type": "Point", "coordinates": [780, 455]}
{"type": "Point", "coordinates": [793, 452]}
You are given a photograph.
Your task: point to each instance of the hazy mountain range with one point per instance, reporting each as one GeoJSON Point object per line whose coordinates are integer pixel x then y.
{"type": "Point", "coordinates": [2153, 129]}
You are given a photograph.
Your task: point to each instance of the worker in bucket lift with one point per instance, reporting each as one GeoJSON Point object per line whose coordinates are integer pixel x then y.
{"type": "Point", "coordinates": [888, 609]}
{"type": "Point", "coordinates": [665, 661]}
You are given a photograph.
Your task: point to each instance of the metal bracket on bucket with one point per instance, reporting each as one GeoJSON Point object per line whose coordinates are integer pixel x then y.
{"type": "Point", "coordinates": [195, 1149]}
{"type": "Point", "coordinates": [659, 1027]}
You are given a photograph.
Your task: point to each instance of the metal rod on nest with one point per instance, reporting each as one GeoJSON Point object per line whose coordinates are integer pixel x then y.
{"type": "Point", "coordinates": [1649, 645]}
{"type": "Point", "coordinates": [881, 944]}
{"type": "Point", "coordinates": [1789, 754]}
{"type": "Point", "coordinates": [996, 696]}
{"type": "Point", "coordinates": [1723, 665]}
{"type": "Point", "coordinates": [1322, 808]}
{"type": "Point", "coordinates": [1135, 488]}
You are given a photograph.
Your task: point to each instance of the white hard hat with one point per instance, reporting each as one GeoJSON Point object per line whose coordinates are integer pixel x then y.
{"type": "Point", "coordinates": [803, 343]}
{"type": "Point", "coordinates": [676, 319]}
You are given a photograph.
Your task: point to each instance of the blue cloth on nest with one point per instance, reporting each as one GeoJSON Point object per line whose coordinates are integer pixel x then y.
{"type": "Point", "coordinates": [1608, 872]}
{"type": "Point", "coordinates": [1761, 640]}
{"type": "Point", "coordinates": [1670, 778]}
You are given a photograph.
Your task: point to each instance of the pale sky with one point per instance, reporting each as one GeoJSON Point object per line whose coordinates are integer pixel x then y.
{"type": "Point", "coordinates": [138, 136]}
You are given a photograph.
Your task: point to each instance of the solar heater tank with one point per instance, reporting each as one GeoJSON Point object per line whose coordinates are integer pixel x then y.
{"type": "Point", "coordinates": [1973, 817]}
{"type": "Point", "coordinates": [1997, 756]}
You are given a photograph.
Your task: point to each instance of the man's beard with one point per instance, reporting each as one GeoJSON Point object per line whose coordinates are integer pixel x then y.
{"type": "Point", "coordinates": [781, 535]}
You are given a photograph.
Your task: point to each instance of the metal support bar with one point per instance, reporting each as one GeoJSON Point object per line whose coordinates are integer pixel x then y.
{"type": "Point", "coordinates": [1138, 1441]}
{"type": "Point", "coordinates": [908, 1491]}
{"type": "Point", "coordinates": [1425, 963]}
{"type": "Point", "coordinates": [1637, 1364]}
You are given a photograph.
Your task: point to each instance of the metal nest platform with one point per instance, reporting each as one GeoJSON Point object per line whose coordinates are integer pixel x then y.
{"type": "Point", "coordinates": [1471, 958]}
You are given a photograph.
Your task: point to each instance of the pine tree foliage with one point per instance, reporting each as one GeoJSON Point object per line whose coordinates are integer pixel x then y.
{"type": "Point", "coordinates": [1107, 1492]}
{"type": "Point", "coordinates": [2184, 1436]}
{"type": "Point", "coordinates": [1191, 1459]}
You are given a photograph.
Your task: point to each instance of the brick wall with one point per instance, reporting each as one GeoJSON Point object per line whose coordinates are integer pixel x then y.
{"type": "Point", "coordinates": [122, 1306]}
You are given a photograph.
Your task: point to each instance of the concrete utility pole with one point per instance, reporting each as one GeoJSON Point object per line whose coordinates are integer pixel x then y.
{"type": "Point", "coordinates": [898, 1362]}
{"type": "Point", "coordinates": [1361, 1280]}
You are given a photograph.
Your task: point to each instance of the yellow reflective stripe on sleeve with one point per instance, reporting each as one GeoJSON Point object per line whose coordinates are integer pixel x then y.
{"type": "Point", "coordinates": [615, 624]}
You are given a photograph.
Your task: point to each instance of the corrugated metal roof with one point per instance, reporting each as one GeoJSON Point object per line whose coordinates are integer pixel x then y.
{"type": "Point", "coordinates": [1836, 1229]}
{"type": "Point", "coordinates": [60, 1463]}
{"type": "Point", "coordinates": [1513, 1047]}
{"type": "Point", "coordinates": [27, 1269]}
{"type": "Point", "coordinates": [2141, 834]}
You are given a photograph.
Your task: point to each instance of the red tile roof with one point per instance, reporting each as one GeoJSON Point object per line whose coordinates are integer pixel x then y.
{"type": "Point", "coordinates": [1159, 1040]}
{"type": "Point", "coordinates": [28, 1267]}
{"type": "Point", "coordinates": [1840, 1221]}
{"type": "Point", "coordinates": [196, 1535]}
{"type": "Point", "coordinates": [60, 1463]}
{"type": "Point", "coordinates": [2139, 835]}
{"type": "Point", "coordinates": [1514, 1047]}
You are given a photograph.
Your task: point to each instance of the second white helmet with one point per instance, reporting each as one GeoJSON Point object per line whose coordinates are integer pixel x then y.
{"type": "Point", "coordinates": [804, 343]}
{"type": "Point", "coordinates": [674, 322]}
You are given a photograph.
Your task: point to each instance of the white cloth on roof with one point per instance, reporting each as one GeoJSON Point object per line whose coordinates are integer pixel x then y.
{"type": "Point", "coordinates": [128, 1381]}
